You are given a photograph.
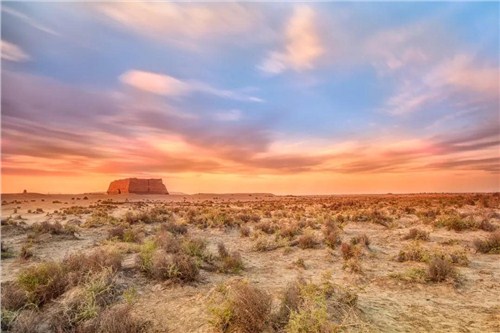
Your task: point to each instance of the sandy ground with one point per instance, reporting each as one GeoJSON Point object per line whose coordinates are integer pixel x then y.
{"type": "Point", "coordinates": [387, 304]}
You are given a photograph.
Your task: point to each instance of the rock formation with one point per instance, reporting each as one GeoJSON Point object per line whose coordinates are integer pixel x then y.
{"type": "Point", "coordinates": [136, 185]}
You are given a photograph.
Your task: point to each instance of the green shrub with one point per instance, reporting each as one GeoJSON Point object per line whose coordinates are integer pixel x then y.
{"type": "Point", "coordinates": [146, 255]}
{"type": "Point", "coordinates": [457, 223]}
{"type": "Point", "coordinates": [43, 282]}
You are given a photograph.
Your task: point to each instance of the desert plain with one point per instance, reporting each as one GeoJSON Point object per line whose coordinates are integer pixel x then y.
{"type": "Point", "coordinates": [250, 263]}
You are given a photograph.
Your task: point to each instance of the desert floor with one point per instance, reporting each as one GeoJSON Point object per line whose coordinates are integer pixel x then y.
{"type": "Point", "coordinates": [359, 246]}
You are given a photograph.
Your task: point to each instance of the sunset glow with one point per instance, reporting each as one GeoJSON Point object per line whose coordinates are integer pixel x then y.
{"type": "Point", "coordinates": [283, 98]}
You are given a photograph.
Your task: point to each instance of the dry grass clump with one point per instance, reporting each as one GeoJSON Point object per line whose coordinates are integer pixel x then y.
{"type": "Point", "coordinates": [26, 322]}
{"type": "Point", "coordinates": [349, 251]}
{"type": "Point", "coordinates": [79, 266]}
{"type": "Point", "coordinates": [85, 302]}
{"type": "Point", "coordinates": [266, 227]}
{"type": "Point", "coordinates": [153, 215]}
{"type": "Point", "coordinates": [353, 265]}
{"type": "Point", "coordinates": [117, 319]}
{"type": "Point", "coordinates": [417, 234]}
{"type": "Point", "coordinates": [264, 244]}
{"type": "Point", "coordinates": [331, 234]}
{"type": "Point", "coordinates": [490, 245]}
{"type": "Point", "coordinates": [195, 247]}
{"type": "Point", "coordinates": [241, 307]}
{"type": "Point", "coordinates": [413, 252]}
{"type": "Point", "coordinates": [322, 308]}
{"type": "Point", "coordinates": [55, 228]}
{"type": "Point", "coordinates": [26, 252]}
{"type": "Point", "coordinates": [229, 262]}
{"type": "Point", "coordinates": [373, 215]}
{"type": "Point", "coordinates": [351, 255]}
{"type": "Point", "coordinates": [46, 281]}
{"type": "Point", "coordinates": [244, 231]}
{"type": "Point", "coordinates": [362, 239]}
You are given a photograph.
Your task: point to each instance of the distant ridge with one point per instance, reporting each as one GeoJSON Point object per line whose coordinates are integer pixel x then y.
{"type": "Point", "coordinates": [239, 193]}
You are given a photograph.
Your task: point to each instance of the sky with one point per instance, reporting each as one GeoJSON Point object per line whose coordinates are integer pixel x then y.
{"type": "Point", "coordinates": [287, 98]}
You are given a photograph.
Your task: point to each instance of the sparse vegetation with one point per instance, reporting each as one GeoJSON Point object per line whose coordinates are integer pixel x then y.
{"type": "Point", "coordinates": [489, 245]}
{"type": "Point", "coordinates": [175, 252]}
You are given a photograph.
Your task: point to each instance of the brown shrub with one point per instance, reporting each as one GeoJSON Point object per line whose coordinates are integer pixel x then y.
{"type": "Point", "coordinates": [349, 251]}
{"type": "Point", "coordinates": [266, 227]}
{"type": "Point", "coordinates": [440, 269]}
{"type": "Point", "coordinates": [116, 232]}
{"type": "Point", "coordinates": [289, 231]}
{"type": "Point", "coordinates": [417, 234]}
{"type": "Point", "coordinates": [168, 242]}
{"type": "Point", "coordinates": [486, 225]}
{"type": "Point", "coordinates": [244, 309]}
{"type": "Point", "coordinates": [244, 231]}
{"type": "Point", "coordinates": [175, 228]}
{"type": "Point", "coordinates": [229, 262]}
{"type": "Point", "coordinates": [221, 248]}
{"type": "Point", "coordinates": [13, 297]}
{"type": "Point", "coordinates": [307, 241]}
{"type": "Point", "coordinates": [232, 263]}
{"type": "Point", "coordinates": [489, 245]}
{"type": "Point", "coordinates": [290, 301]}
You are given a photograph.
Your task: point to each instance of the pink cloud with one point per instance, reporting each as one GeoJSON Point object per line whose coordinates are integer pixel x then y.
{"type": "Point", "coordinates": [303, 45]}
{"type": "Point", "coordinates": [12, 52]}
{"type": "Point", "coordinates": [160, 84]}
{"type": "Point", "coordinates": [463, 73]}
